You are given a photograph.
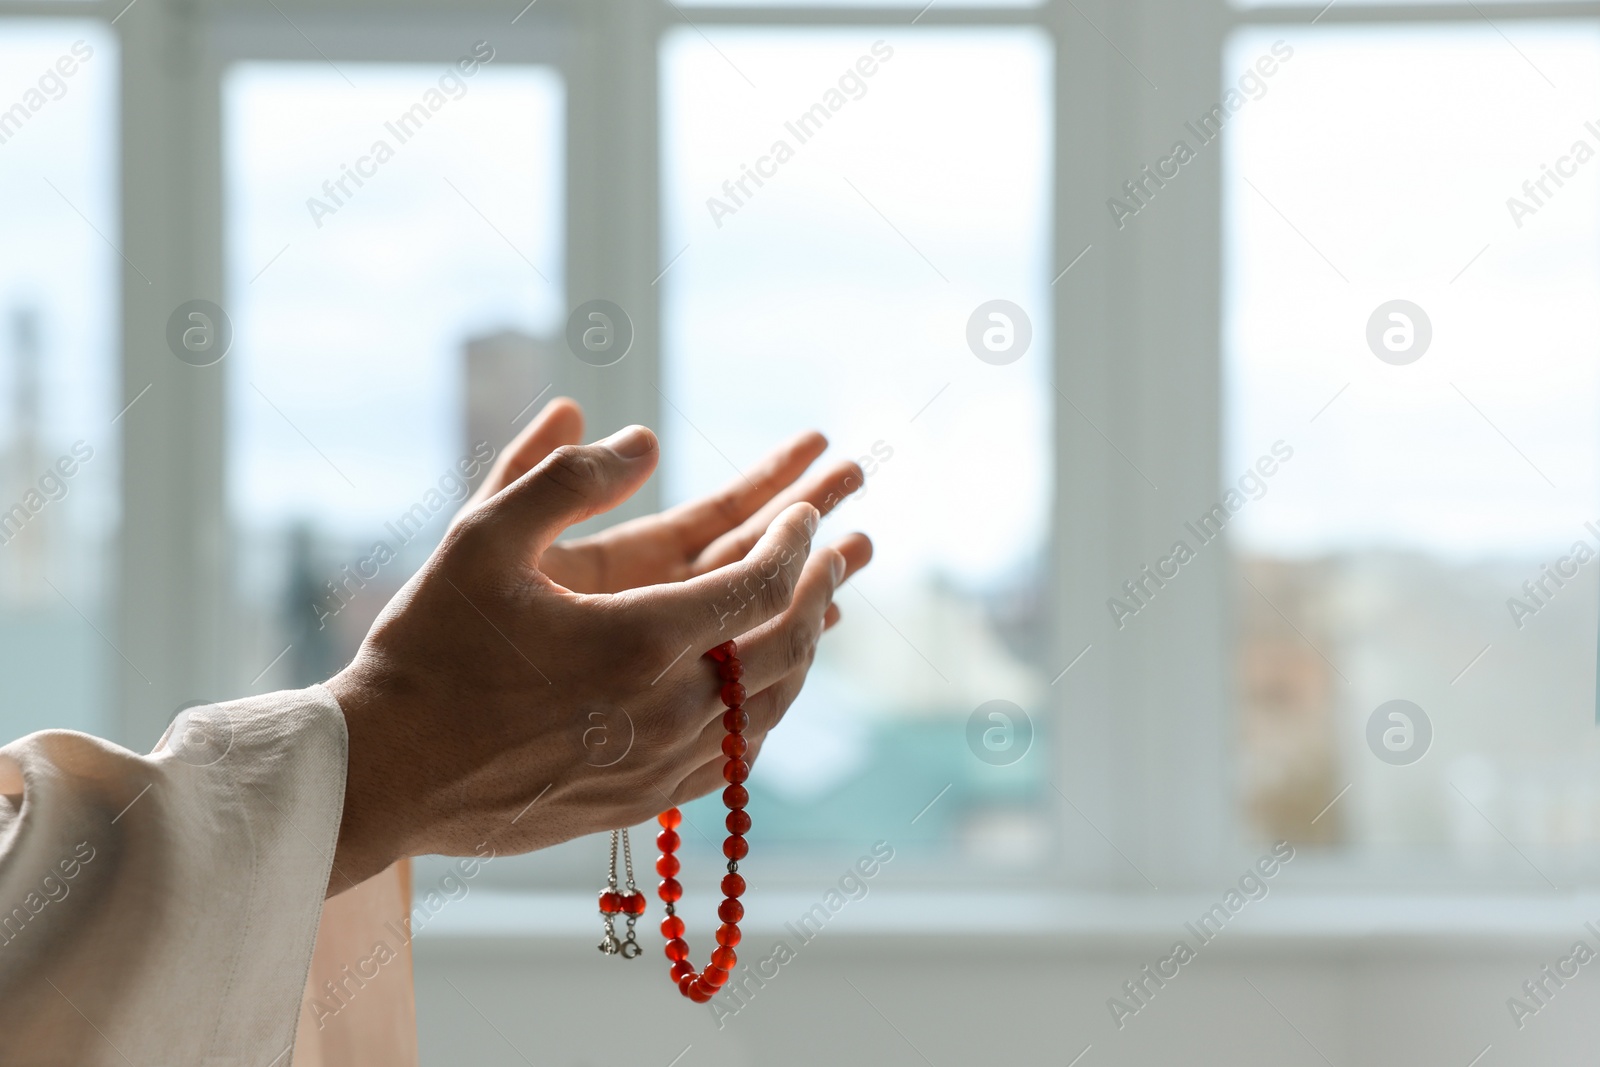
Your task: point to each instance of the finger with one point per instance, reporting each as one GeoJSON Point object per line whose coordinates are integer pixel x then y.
{"type": "Point", "coordinates": [760, 650]}
{"type": "Point", "coordinates": [766, 709]}
{"type": "Point", "coordinates": [856, 548]}
{"type": "Point", "coordinates": [856, 551]}
{"type": "Point", "coordinates": [559, 423]}
{"type": "Point", "coordinates": [823, 491]}
{"type": "Point", "coordinates": [775, 667]}
{"type": "Point", "coordinates": [780, 652]}
{"type": "Point", "coordinates": [767, 705]}
{"type": "Point", "coordinates": [703, 612]}
{"type": "Point", "coordinates": [707, 778]}
{"type": "Point", "coordinates": [789, 642]}
{"type": "Point", "coordinates": [571, 484]}
{"type": "Point", "coordinates": [702, 521]}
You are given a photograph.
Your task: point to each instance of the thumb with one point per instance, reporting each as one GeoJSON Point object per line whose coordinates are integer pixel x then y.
{"type": "Point", "coordinates": [560, 422]}
{"type": "Point", "coordinates": [572, 483]}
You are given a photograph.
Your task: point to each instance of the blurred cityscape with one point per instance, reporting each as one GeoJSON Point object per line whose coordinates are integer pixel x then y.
{"type": "Point", "coordinates": [51, 661]}
{"type": "Point", "coordinates": [24, 531]}
{"type": "Point", "coordinates": [878, 724]}
{"type": "Point", "coordinates": [1323, 642]}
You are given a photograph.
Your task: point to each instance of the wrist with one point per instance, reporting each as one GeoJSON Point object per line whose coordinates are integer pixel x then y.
{"type": "Point", "coordinates": [373, 828]}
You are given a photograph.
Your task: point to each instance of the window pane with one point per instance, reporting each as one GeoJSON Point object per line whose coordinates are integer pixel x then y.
{"type": "Point", "coordinates": [1444, 450]}
{"type": "Point", "coordinates": [1323, 5]}
{"type": "Point", "coordinates": [913, 4]}
{"type": "Point", "coordinates": [375, 234]}
{"type": "Point", "coordinates": [834, 290]}
{"type": "Point", "coordinates": [58, 374]}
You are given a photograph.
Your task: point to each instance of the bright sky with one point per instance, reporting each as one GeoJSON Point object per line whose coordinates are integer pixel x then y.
{"type": "Point", "coordinates": [1377, 167]}
{"type": "Point", "coordinates": [838, 295]}
{"type": "Point", "coordinates": [52, 259]}
{"type": "Point", "coordinates": [354, 329]}
{"type": "Point", "coordinates": [862, 259]}
{"type": "Point", "coordinates": [808, 299]}
{"type": "Point", "coordinates": [1393, 156]}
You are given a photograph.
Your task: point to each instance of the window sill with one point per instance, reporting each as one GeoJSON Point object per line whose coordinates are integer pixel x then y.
{"type": "Point", "coordinates": [1082, 923]}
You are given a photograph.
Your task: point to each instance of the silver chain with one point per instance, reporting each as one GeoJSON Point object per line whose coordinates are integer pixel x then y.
{"type": "Point", "coordinates": [610, 945]}
{"type": "Point", "coordinates": [630, 946]}
{"type": "Point", "coordinates": [627, 947]}
{"type": "Point", "coordinates": [627, 857]}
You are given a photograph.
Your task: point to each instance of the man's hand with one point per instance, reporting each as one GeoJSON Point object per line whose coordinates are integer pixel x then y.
{"type": "Point", "coordinates": [686, 541]}
{"type": "Point", "coordinates": [471, 701]}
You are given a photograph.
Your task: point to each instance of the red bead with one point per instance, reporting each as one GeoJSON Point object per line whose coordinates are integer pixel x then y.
{"type": "Point", "coordinates": [610, 902]}
{"type": "Point", "coordinates": [634, 903]}
{"type": "Point", "coordinates": [701, 987]}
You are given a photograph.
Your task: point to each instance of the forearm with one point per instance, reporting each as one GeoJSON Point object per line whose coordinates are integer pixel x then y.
{"type": "Point", "coordinates": [201, 864]}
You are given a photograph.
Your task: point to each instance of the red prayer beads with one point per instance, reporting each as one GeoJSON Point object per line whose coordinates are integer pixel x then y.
{"type": "Point", "coordinates": [616, 901]}
{"type": "Point", "coordinates": [702, 986]}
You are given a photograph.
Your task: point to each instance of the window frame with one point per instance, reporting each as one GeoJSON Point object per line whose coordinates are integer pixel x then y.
{"type": "Point", "coordinates": [1147, 795]}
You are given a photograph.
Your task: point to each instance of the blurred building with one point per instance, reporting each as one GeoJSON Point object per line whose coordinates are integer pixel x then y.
{"type": "Point", "coordinates": [1288, 730]}
{"type": "Point", "coordinates": [25, 533]}
{"type": "Point", "coordinates": [326, 604]}
{"type": "Point", "coordinates": [509, 376]}
{"type": "Point", "coordinates": [1317, 655]}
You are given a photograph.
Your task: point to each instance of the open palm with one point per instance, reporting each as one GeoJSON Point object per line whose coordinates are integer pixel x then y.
{"type": "Point", "coordinates": [688, 540]}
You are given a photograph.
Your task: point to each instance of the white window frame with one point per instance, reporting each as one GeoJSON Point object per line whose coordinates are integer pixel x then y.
{"type": "Point", "coordinates": [1145, 723]}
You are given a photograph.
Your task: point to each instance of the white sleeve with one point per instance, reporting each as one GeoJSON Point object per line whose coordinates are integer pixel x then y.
{"type": "Point", "coordinates": [162, 909]}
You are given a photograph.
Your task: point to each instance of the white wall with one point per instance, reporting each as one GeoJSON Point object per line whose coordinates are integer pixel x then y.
{"type": "Point", "coordinates": [1357, 982]}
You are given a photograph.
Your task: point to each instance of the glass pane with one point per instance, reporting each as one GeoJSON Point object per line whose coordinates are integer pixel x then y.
{"type": "Point", "coordinates": [394, 258]}
{"type": "Point", "coordinates": [831, 234]}
{"type": "Point", "coordinates": [1413, 263]}
{"type": "Point", "coordinates": [913, 4]}
{"type": "Point", "coordinates": [1322, 6]}
{"type": "Point", "coordinates": [59, 419]}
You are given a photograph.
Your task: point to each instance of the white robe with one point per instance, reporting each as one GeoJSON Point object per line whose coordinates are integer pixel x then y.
{"type": "Point", "coordinates": [164, 909]}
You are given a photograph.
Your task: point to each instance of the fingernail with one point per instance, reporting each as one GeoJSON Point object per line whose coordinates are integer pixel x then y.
{"type": "Point", "coordinates": [838, 568]}
{"type": "Point", "coordinates": [811, 520]}
{"type": "Point", "coordinates": [630, 443]}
